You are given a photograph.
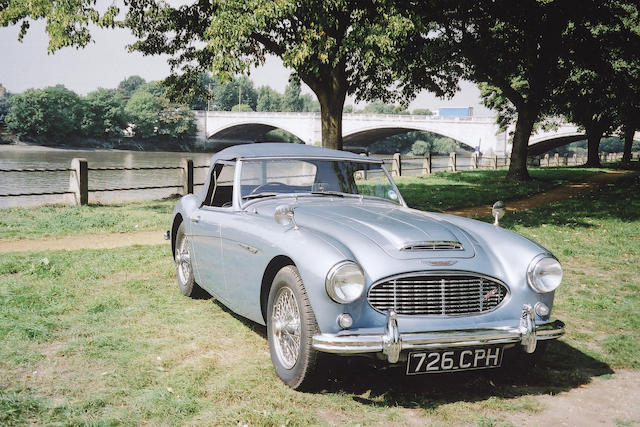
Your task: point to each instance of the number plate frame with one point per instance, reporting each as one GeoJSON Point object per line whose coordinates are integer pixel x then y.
{"type": "Point", "coordinates": [454, 360]}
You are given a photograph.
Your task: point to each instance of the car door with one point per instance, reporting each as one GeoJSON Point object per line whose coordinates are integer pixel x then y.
{"type": "Point", "coordinates": [206, 230]}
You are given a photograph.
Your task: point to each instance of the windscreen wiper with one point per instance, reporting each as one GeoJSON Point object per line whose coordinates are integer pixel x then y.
{"type": "Point", "coordinates": [328, 193]}
{"type": "Point", "coordinates": [258, 195]}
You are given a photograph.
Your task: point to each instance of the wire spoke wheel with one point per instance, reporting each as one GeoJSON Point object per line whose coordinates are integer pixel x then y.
{"type": "Point", "coordinates": [285, 322]}
{"type": "Point", "coordinates": [291, 326]}
{"type": "Point", "coordinates": [183, 260]}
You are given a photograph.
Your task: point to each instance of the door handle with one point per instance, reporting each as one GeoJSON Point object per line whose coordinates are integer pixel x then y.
{"type": "Point", "coordinates": [195, 219]}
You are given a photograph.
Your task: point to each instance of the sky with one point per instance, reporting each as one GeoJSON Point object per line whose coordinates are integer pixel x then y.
{"type": "Point", "coordinates": [106, 62]}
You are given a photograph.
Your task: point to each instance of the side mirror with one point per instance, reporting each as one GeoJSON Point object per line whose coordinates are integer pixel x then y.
{"type": "Point", "coordinates": [497, 211]}
{"type": "Point", "coordinates": [284, 215]}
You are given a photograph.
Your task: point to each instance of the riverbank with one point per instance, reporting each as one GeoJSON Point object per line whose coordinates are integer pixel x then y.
{"type": "Point", "coordinates": [191, 145]}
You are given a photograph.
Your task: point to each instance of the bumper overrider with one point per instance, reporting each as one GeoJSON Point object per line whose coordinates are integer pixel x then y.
{"type": "Point", "coordinates": [392, 342]}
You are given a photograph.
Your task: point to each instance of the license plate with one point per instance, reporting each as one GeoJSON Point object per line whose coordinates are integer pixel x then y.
{"type": "Point", "coordinates": [453, 360]}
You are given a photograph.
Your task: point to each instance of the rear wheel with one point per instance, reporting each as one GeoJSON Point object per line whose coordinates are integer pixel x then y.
{"type": "Point", "coordinates": [291, 325]}
{"type": "Point", "coordinates": [184, 268]}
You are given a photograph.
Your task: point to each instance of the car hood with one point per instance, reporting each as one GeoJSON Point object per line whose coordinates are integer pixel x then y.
{"type": "Point", "coordinates": [401, 232]}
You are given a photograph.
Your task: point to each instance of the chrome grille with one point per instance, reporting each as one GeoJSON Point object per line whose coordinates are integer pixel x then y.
{"type": "Point", "coordinates": [438, 294]}
{"type": "Point", "coordinates": [433, 245]}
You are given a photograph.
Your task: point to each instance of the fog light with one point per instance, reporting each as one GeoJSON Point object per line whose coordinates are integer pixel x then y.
{"type": "Point", "coordinates": [541, 310]}
{"type": "Point", "coordinates": [345, 320]}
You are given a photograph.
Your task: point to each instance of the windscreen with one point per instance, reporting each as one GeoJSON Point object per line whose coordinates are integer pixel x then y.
{"type": "Point", "coordinates": [267, 177]}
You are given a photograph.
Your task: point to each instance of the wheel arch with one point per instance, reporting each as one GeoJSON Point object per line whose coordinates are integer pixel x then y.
{"type": "Point", "coordinates": [177, 220]}
{"type": "Point", "coordinates": [267, 279]}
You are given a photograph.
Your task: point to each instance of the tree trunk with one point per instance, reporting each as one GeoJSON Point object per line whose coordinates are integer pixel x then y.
{"type": "Point", "coordinates": [331, 89]}
{"type": "Point", "coordinates": [594, 134]}
{"type": "Point", "coordinates": [629, 131]}
{"type": "Point", "coordinates": [331, 106]}
{"type": "Point", "coordinates": [524, 125]}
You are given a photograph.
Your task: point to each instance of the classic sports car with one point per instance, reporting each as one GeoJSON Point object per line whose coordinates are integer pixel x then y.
{"type": "Point", "coordinates": [319, 245]}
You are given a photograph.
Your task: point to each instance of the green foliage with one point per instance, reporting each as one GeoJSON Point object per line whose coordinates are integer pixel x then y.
{"type": "Point", "coordinates": [242, 108]}
{"type": "Point", "coordinates": [291, 100]}
{"type": "Point", "coordinates": [378, 107]}
{"type": "Point", "coordinates": [227, 94]}
{"type": "Point", "coordinates": [348, 109]}
{"type": "Point", "coordinates": [104, 114]}
{"type": "Point", "coordinates": [309, 103]}
{"type": "Point", "coordinates": [152, 116]}
{"type": "Point", "coordinates": [427, 142]}
{"type": "Point", "coordinates": [5, 107]}
{"type": "Point", "coordinates": [422, 112]}
{"type": "Point", "coordinates": [54, 112]}
{"type": "Point", "coordinates": [144, 110]}
{"type": "Point", "coordinates": [268, 99]}
{"type": "Point", "coordinates": [129, 85]}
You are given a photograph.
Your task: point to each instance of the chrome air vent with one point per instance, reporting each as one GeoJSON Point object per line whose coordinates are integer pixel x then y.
{"type": "Point", "coordinates": [439, 294]}
{"type": "Point", "coordinates": [433, 245]}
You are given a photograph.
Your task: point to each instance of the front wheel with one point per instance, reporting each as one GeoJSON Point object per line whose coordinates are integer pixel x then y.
{"type": "Point", "coordinates": [291, 325]}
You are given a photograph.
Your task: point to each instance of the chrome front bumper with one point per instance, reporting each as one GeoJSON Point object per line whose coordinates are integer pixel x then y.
{"type": "Point", "coordinates": [392, 343]}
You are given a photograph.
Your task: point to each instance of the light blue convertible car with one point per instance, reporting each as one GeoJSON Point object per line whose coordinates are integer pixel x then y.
{"type": "Point", "coordinates": [319, 246]}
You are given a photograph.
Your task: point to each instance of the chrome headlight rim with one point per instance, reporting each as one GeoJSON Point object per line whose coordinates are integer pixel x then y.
{"type": "Point", "coordinates": [533, 280]}
{"type": "Point", "coordinates": [330, 283]}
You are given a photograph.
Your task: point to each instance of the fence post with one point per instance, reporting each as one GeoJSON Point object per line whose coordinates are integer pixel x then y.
{"type": "Point", "coordinates": [474, 161]}
{"type": "Point", "coordinates": [187, 176]}
{"type": "Point", "coordinates": [79, 181]}
{"type": "Point", "coordinates": [495, 161]}
{"type": "Point", "coordinates": [452, 161]}
{"type": "Point", "coordinates": [396, 168]}
{"type": "Point", "coordinates": [364, 171]}
{"type": "Point", "coordinates": [546, 159]}
{"type": "Point", "coordinates": [426, 164]}
{"type": "Point", "coordinates": [575, 159]}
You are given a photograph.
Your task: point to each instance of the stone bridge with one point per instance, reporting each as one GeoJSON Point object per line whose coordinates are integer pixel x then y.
{"type": "Point", "coordinates": [361, 130]}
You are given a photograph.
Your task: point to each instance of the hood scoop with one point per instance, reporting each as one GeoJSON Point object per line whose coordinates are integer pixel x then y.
{"type": "Point", "coordinates": [433, 245]}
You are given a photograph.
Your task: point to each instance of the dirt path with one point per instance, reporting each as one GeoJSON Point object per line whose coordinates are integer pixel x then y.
{"type": "Point", "coordinates": [606, 401]}
{"type": "Point", "coordinates": [562, 192]}
{"type": "Point", "coordinates": [115, 240]}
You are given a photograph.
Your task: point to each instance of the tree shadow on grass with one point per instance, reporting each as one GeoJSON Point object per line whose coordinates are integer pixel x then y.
{"type": "Point", "coordinates": [376, 384]}
{"type": "Point", "coordinates": [617, 200]}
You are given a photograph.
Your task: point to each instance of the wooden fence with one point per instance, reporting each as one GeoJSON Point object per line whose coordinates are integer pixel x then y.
{"type": "Point", "coordinates": [398, 165]}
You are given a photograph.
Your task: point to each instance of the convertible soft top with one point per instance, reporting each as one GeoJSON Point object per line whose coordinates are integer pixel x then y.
{"type": "Point", "coordinates": [283, 150]}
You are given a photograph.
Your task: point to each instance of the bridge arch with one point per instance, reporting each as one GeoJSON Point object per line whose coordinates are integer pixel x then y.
{"type": "Point", "coordinates": [247, 131]}
{"type": "Point", "coordinates": [364, 137]}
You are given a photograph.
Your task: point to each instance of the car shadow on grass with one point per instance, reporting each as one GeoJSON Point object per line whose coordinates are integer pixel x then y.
{"type": "Point", "coordinates": [562, 369]}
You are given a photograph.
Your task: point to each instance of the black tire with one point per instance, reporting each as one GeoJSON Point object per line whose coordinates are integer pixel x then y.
{"type": "Point", "coordinates": [295, 365]}
{"type": "Point", "coordinates": [184, 269]}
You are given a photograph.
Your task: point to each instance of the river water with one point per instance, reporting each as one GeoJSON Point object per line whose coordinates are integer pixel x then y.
{"type": "Point", "coordinates": [27, 157]}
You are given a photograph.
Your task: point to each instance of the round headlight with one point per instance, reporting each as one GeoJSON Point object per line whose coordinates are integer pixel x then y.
{"type": "Point", "coordinates": [544, 273]}
{"type": "Point", "coordinates": [345, 282]}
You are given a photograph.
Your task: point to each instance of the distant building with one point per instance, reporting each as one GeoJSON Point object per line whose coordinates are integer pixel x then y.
{"type": "Point", "coordinates": [455, 112]}
{"type": "Point", "coordinates": [3, 91]}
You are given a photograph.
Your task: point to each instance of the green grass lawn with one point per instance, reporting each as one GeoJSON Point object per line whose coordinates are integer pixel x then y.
{"type": "Point", "coordinates": [437, 192]}
{"type": "Point", "coordinates": [105, 338]}
{"type": "Point", "coordinates": [445, 190]}
{"type": "Point", "coordinates": [58, 220]}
